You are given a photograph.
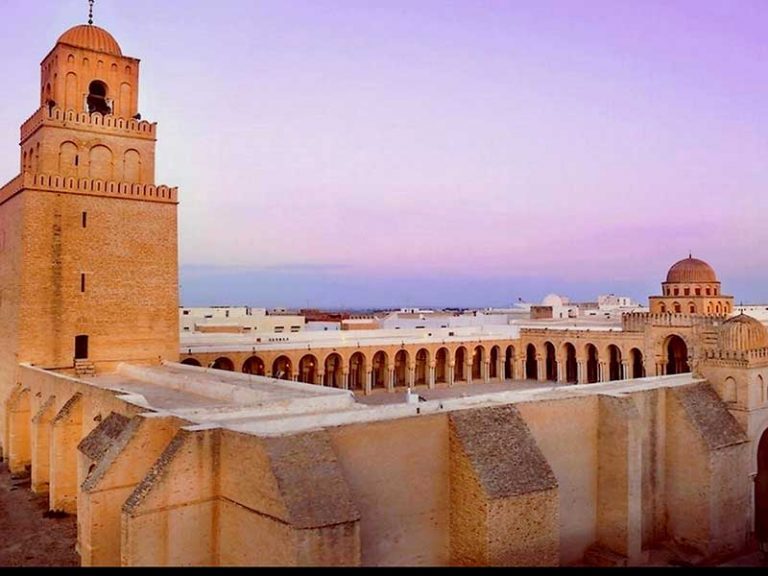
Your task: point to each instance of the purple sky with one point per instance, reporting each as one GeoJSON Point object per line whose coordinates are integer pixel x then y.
{"type": "Point", "coordinates": [439, 152]}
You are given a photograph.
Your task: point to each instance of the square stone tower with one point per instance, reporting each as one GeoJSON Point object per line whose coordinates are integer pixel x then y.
{"type": "Point", "coordinates": [88, 242]}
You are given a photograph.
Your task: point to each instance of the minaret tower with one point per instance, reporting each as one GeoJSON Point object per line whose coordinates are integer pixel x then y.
{"type": "Point", "coordinates": [88, 242]}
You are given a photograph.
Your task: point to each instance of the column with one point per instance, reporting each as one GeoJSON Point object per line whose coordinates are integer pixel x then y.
{"type": "Point", "coordinates": [625, 370]}
{"type": "Point", "coordinates": [580, 377]}
{"type": "Point", "coordinates": [468, 371]}
{"type": "Point", "coordinates": [486, 371]}
{"type": "Point", "coordinates": [431, 381]}
{"type": "Point", "coordinates": [601, 372]}
{"type": "Point", "coordinates": [541, 368]}
{"type": "Point", "coordinates": [450, 374]}
{"type": "Point", "coordinates": [368, 381]}
{"type": "Point", "coordinates": [391, 380]}
{"type": "Point", "coordinates": [500, 368]}
{"type": "Point", "coordinates": [345, 380]}
{"type": "Point", "coordinates": [319, 378]}
{"type": "Point", "coordinates": [560, 372]}
{"type": "Point", "coordinates": [523, 372]}
{"type": "Point", "coordinates": [411, 375]}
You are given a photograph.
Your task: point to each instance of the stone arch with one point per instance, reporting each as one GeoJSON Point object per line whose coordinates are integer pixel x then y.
{"type": "Point", "coordinates": [126, 96]}
{"type": "Point", "coordinates": [677, 308]}
{"type": "Point", "coordinates": [100, 163]}
{"type": "Point", "coordinates": [729, 390]}
{"type": "Point", "coordinates": [379, 368]}
{"type": "Point", "coordinates": [493, 363]}
{"type": "Point", "coordinates": [71, 97]}
{"type": "Point", "coordinates": [531, 363]}
{"type": "Point", "coordinates": [132, 166]}
{"type": "Point", "coordinates": [282, 368]}
{"type": "Point", "coordinates": [676, 354]}
{"type": "Point", "coordinates": [191, 362]}
{"type": "Point", "coordinates": [571, 364]}
{"type": "Point", "coordinates": [401, 368]}
{"type": "Point", "coordinates": [509, 363]}
{"type": "Point", "coordinates": [592, 364]}
{"type": "Point", "coordinates": [223, 363]}
{"type": "Point", "coordinates": [19, 418]}
{"type": "Point", "coordinates": [638, 367]}
{"type": "Point", "coordinates": [614, 362]}
{"type": "Point", "coordinates": [441, 365]}
{"type": "Point", "coordinates": [69, 159]}
{"type": "Point", "coordinates": [663, 308]}
{"type": "Point", "coordinates": [308, 369]}
{"type": "Point", "coordinates": [332, 371]}
{"type": "Point", "coordinates": [478, 357]}
{"type": "Point", "coordinates": [761, 490]}
{"type": "Point", "coordinates": [691, 308]}
{"type": "Point", "coordinates": [422, 367]}
{"type": "Point", "coordinates": [254, 365]}
{"type": "Point", "coordinates": [550, 362]}
{"type": "Point", "coordinates": [357, 371]}
{"type": "Point", "coordinates": [97, 98]}
{"type": "Point", "coordinates": [459, 367]}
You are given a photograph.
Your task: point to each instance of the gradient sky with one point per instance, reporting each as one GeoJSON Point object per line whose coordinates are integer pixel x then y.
{"type": "Point", "coordinates": [439, 152]}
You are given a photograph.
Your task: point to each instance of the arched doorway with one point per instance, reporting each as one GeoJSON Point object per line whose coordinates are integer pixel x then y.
{"type": "Point", "coordinates": [282, 369]}
{"type": "Point", "coordinates": [761, 493]}
{"type": "Point", "coordinates": [401, 369]}
{"type": "Point", "coordinates": [614, 363]}
{"type": "Point", "coordinates": [379, 370]}
{"type": "Point", "coordinates": [332, 375]}
{"type": "Point", "coordinates": [308, 369]}
{"type": "Point", "coordinates": [677, 355]}
{"type": "Point", "coordinates": [638, 369]}
{"type": "Point", "coordinates": [190, 362]}
{"type": "Point", "coordinates": [459, 368]}
{"type": "Point", "coordinates": [441, 365]}
{"type": "Point", "coordinates": [592, 371]}
{"type": "Point", "coordinates": [254, 365]}
{"type": "Point", "coordinates": [509, 363]}
{"type": "Point", "coordinates": [571, 366]}
{"type": "Point", "coordinates": [550, 363]}
{"type": "Point", "coordinates": [493, 372]}
{"type": "Point", "coordinates": [531, 365]}
{"type": "Point", "coordinates": [422, 366]}
{"type": "Point", "coordinates": [478, 356]}
{"type": "Point", "coordinates": [357, 371]}
{"type": "Point", "coordinates": [223, 363]}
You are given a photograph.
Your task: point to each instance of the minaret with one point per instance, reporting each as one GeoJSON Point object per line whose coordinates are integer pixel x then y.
{"type": "Point", "coordinates": [88, 242]}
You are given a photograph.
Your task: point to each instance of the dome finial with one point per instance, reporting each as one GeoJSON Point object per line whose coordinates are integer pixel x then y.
{"type": "Point", "coordinates": [90, 12]}
{"type": "Point", "coordinates": [690, 254]}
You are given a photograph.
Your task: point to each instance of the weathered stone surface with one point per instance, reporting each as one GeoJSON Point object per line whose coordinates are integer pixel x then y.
{"type": "Point", "coordinates": [310, 480]}
{"type": "Point", "coordinates": [101, 438]}
{"type": "Point", "coordinates": [502, 450]}
{"type": "Point", "coordinates": [709, 415]}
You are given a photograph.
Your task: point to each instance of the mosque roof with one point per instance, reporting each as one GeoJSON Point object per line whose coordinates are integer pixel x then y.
{"type": "Point", "coordinates": [691, 270]}
{"type": "Point", "coordinates": [92, 38]}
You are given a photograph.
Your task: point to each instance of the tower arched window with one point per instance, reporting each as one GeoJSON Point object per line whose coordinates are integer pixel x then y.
{"type": "Point", "coordinates": [97, 98]}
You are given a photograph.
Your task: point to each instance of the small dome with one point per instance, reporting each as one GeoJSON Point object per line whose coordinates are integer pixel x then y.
{"type": "Point", "coordinates": [92, 38]}
{"type": "Point", "coordinates": [691, 270]}
{"type": "Point", "coordinates": [742, 333]}
{"type": "Point", "coordinates": [552, 300]}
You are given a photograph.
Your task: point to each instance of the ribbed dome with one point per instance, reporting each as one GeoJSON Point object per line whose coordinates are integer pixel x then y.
{"type": "Point", "coordinates": [691, 270]}
{"type": "Point", "coordinates": [92, 38]}
{"type": "Point", "coordinates": [742, 333]}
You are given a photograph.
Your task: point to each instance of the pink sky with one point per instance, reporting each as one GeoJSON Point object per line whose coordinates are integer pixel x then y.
{"type": "Point", "coordinates": [587, 144]}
